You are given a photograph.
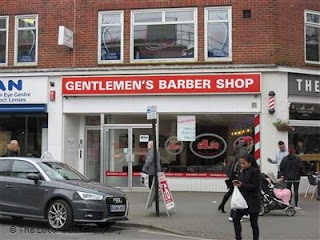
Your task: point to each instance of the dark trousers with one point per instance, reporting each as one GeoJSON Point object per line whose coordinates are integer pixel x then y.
{"type": "Point", "coordinates": [253, 220]}
{"type": "Point", "coordinates": [295, 189]}
{"type": "Point", "coordinates": [226, 197]}
{"type": "Point", "coordinates": [150, 180]}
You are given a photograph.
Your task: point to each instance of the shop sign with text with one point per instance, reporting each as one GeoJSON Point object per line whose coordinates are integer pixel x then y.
{"type": "Point", "coordinates": [24, 90]}
{"type": "Point", "coordinates": [162, 84]}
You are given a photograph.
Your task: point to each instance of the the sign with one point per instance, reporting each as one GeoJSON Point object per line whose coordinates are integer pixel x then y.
{"type": "Point", "coordinates": [173, 146]}
{"type": "Point", "coordinates": [186, 128]}
{"type": "Point", "coordinates": [304, 85]}
{"type": "Point", "coordinates": [143, 138]}
{"type": "Point", "coordinates": [65, 37]}
{"type": "Point", "coordinates": [151, 112]}
{"type": "Point", "coordinates": [300, 111]}
{"type": "Point", "coordinates": [165, 190]}
{"type": "Point", "coordinates": [173, 174]}
{"type": "Point", "coordinates": [24, 90]}
{"type": "Point", "coordinates": [208, 146]}
{"type": "Point", "coordinates": [162, 84]}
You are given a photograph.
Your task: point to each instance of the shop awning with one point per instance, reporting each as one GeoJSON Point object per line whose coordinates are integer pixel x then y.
{"type": "Point", "coordinates": [22, 108]}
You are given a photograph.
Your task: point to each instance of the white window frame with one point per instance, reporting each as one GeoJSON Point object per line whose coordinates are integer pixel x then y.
{"type": "Point", "coordinates": [7, 38]}
{"type": "Point", "coordinates": [206, 21]}
{"type": "Point", "coordinates": [305, 31]}
{"type": "Point", "coordinates": [100, 14]}
{"type": "Point", "coordinates": [17, 28]}
{"type": "Point", "coordinates": [195, 22]}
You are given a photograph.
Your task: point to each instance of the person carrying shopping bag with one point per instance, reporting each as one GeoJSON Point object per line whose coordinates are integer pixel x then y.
{"type": "Point", "coordinates": [249, 186]}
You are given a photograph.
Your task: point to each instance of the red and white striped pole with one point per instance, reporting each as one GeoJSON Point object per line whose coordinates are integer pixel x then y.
{"type": "Point", "coordinates": [257, 138]}
{"type": "Point", "coordinates": [271, 95]}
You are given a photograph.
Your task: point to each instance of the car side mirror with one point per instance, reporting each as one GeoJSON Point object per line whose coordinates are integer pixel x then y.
{"type": "Point", "coordinates": [33, 176]}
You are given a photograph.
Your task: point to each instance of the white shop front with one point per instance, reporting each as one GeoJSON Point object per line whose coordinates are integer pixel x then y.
{"type": "Point", "coordinates": [105, 128]}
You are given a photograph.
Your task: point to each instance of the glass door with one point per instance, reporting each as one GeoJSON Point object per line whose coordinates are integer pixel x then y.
{"type": "Point", "coordinates": [92, 154]}
{"type": "Point", "coordinates": [125, 150]}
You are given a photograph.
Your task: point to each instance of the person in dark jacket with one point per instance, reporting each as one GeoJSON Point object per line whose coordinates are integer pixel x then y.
{"type": "Point", "coordinates": [12, 149]}
{"type": "Point", "coordinates": [148, 166]}
{"type": "Point", "coordinates": [233, 170]}
{"type": "Point", "coordinates": [291, 169]}
{"type": "Point", "coordinates": [249, 186]}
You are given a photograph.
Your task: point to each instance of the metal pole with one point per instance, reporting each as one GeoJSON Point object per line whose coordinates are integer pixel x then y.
{"type": "Point", "coordinates": [155, 158]}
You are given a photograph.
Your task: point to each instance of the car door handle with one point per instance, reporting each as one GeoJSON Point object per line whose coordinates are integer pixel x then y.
{"type": "Point", "coordinates": [8, 186]}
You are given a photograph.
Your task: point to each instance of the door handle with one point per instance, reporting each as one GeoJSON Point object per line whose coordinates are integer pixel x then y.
{"type": "Point", "coordinates": [8, 186]}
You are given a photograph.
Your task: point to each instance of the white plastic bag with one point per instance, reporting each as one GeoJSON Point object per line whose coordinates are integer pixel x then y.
{"type": "Point", "coordinates": [144, 179]}
{"type": "Point", "coordinates": [237, 200]}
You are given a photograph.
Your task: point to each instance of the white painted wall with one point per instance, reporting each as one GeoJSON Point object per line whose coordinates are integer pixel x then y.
{"type": "Point", "coordinates": [277, 82]}
{"type": "Point", "coordinates": [165, 104]}
{"type": "Point", "coordinates": [71, 140]}
{"type": "Point", "coordinates": [55, 124]}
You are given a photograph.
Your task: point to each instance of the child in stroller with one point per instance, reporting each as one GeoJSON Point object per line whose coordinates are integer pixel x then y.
{"type": "Point", "coordinates": [274, 196]}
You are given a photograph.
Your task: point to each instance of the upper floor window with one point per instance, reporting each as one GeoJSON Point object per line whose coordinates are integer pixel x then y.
{"type": "Point", "coordinates": [312, 36]}
{"type": "Point", "coordinates": [110, 40]}
{"type": "Point", "coordinates": [164, 35]}
{"type": "Point", "coordinates": [4, 26]}
{"type": "Point", "coordinates": [218, 32]}
{"type": "Point", "coordinates": [26, 40]}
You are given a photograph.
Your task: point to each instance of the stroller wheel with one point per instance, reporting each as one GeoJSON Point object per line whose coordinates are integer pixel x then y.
{"type": "Point", "coordinates": [262, 210]}
{"type": "Point", "coordinates": [266, 209]}
{"type": "Point", "coordinates": [290, 211]}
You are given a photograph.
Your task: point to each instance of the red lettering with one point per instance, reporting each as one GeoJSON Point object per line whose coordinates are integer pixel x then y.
{"type": "Point", "coordinates": [204, 144]}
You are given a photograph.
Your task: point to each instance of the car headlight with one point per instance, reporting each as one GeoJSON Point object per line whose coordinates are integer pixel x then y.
{"type": "Point", "coordinates": [89, 196]}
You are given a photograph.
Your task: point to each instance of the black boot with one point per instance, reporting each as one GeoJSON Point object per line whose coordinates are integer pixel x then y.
{"type": "Point", "coordinates": [221, 208]}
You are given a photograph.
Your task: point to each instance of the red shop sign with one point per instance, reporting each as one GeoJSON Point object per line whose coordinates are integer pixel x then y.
{"type": "Point", "coordinates": [162, 84]}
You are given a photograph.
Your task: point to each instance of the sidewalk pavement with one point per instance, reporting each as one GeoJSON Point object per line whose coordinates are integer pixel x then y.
{"type": "Point", "coordinates": [196, 215]}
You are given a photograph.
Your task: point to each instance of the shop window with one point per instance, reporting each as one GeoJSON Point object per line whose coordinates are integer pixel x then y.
{"type": "Point", "coordinates": [312, 36]}
{"type": "Point", "coordinates": [304, 141]}
{"type": "Point", "coordinates": [110, 42]}
{"type": "Point", "coordinates": [4, 26]}
{"type": "Point", "coordinates": [162, 35]}
{"type": "Point", "coordinates": [27, 129]}
{"type": "Point", "coordinates": [217, 138]}
{"type": "Point", "coordinates": [26, 40]}
{"type": "Point", "coordinates": [218, 31]}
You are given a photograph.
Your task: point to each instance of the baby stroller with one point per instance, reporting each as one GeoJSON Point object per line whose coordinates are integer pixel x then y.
{"type": "Point", "coordinates": [274, 197]}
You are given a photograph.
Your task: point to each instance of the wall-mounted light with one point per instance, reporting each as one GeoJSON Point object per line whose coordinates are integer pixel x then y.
{"type": "Point", "coordinates": [271, 95]}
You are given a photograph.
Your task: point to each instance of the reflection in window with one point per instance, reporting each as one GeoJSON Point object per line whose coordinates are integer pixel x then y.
{"type": "Point", "coordinates": [312, 36]}
{"type": "Point", "coordinates": [169, 34]}
{"type": "Point", "coordinates": [110, 32]}
{"type": "Point", "coordinates": [218, 33]}
{"type": "Point", "coordinates": [3, 39]}
{"type": "Point", "coordinates": [26, 33]}
{"type": "Point", "coordinates": [305, 140]}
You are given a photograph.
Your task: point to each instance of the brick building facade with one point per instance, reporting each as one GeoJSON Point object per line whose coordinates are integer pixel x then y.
{"type": "Point", "coordinates": [214, 60]}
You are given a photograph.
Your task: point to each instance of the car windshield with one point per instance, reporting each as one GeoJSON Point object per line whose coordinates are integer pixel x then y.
{"type": "Point", "coordinates": [64, 171]}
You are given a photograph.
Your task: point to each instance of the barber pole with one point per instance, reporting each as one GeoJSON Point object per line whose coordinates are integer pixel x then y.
{"type": "Point", "coordinates": [257, 138]}
{"type": "Point", "coordinates": [271, 95]}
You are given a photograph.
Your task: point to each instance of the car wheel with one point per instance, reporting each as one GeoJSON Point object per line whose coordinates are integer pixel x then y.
{"type": "Point", "coordinates": [105, 224]}
{"type": "Point", "coordinates": [59, 215]}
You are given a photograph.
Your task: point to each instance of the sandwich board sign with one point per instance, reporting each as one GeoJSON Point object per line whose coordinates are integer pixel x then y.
{"type": "Point", "coordinates": [165, 192]}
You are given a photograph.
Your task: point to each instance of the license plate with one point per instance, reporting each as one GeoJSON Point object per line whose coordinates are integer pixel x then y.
{"type": "Point", "coordinates": [117, 208]}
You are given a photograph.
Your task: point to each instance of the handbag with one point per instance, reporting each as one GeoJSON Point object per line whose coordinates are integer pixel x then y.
{"type": "Point", "coordinates": [237, 200]}
{"type": "Point", "coordinates": [144, 179]}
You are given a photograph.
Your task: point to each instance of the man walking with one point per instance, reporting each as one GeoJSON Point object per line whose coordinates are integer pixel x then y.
{"type": "Point", "coordinates": [148, 166]}
{"type": "Point", "coordinates": [280, 154]}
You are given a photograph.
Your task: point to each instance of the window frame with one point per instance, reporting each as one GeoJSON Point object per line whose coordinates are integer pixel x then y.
{"type": "Point", "coordinates": [163, 11]}
{"type": "Point", "coordinates": [7, 38]}
{"type": "Point", "coordinates": [206, 22]}
{"type": "Point", "coordinates": [317, 25]}
{"type": "Point", "coordinates": [100, 14]}
{"type": "Point", "coordinates": [17, 28]}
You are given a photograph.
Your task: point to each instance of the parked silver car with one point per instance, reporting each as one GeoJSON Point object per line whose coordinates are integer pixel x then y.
{"type": "Point", "coordinates": [52, 190]}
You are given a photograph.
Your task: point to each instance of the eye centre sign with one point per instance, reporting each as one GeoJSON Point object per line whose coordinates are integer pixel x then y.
{"type": "Point", "coordinates": [186, 128]}
{"type": "Point", "coordinates": [162, 84]}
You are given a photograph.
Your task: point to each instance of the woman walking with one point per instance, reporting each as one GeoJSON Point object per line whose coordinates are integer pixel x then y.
{"type": "Point", "coordinates": [249, 186]}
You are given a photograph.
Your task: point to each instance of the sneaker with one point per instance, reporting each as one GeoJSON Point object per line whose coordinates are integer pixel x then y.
{"type": "Point", "coordinates": [230, 219]}
{"type": "Point", "coordinates": [297, 208]}
{"type": "Point", "coordinates": [246, 217]}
